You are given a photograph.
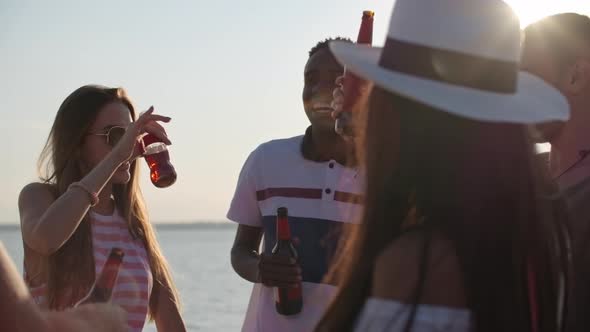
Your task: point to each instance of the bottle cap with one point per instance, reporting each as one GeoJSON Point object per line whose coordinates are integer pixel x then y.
{"type": "Point", "coordinates": [117, 253]}
{"type": "Point", "coordinates": [282, 212]}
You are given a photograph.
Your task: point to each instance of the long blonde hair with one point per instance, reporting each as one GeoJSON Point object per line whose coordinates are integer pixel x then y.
{"type": "Point", "coordinates": [70, 270]}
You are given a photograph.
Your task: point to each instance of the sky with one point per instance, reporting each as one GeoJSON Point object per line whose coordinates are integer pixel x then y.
{"type": "Point", "coordinates": [229, 73]}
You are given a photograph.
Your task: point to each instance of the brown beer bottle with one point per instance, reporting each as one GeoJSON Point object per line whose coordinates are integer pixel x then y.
{"type": "Point", "coordinates": [352, 84]}
{"type": "Point", "coordinates": [155, 152]}
{"type": "Point", "coordinates": [102, 290]}
{"type": "Point", "coordinates": [288, 301]}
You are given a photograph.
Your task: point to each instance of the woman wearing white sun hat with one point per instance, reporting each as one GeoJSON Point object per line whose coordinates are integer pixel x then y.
{"type": "Point", "coordinates": [455, 235]}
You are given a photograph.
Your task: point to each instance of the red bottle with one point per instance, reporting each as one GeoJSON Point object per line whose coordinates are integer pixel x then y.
{"type": "Point", "coordinates": [102, 290]}
{"type": "Point", "coordinates": [155, 152]}
{"type": "Point", "coordinates": [288, 301]}
{"type": "Point", "coordinates": [352, 84]}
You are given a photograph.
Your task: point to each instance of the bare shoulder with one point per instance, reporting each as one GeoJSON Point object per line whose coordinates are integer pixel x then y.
{"type": "Point", "coordinates": [33, 201]}
{"type": "Point", "coordinates": [34, 193]}
{"type": "Point", "coordinates": [396, 273]}
{"type": "Point", "coordinates": [36, 189]}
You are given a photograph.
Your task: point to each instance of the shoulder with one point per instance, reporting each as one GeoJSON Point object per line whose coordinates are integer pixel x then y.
{"type": "Point", "coordinates": [281, 145]}
{"type": "Point", "coordinates": [33, 201]}
{"type": "Point", "coordinates": [397, 270]}
{"type": "Point", "coordinates": [33, 192]}
{"type": "Point", "coordinates": [275, 150]}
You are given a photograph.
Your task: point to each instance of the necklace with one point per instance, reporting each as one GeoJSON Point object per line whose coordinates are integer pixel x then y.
{"type": "Point", "coordinates": [583, 154]}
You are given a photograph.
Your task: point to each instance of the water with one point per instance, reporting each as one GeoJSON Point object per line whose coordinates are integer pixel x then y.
{"type": "Point", "coordinates": [214, 297]}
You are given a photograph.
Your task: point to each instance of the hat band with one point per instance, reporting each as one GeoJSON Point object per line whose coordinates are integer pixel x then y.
{"type": "Point", "coordinates": [449, 66]}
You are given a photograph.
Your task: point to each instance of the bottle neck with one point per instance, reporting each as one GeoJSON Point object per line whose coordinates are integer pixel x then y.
{"type": "Point", "coordinates": [366, 31]}
{"type": "Point", "coordinates": [283, 230]}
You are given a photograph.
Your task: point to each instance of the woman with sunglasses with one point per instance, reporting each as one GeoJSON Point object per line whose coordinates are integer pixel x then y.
{"type": "Point", "coordinates": [88, 202]}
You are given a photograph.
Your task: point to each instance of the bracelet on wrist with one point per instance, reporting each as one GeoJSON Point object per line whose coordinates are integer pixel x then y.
{"type": "Point", "coordinates": [93, 196]}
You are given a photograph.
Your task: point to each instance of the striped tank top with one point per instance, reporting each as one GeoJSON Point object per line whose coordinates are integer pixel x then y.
{"type": "Point", "coordinates": [134, 284]}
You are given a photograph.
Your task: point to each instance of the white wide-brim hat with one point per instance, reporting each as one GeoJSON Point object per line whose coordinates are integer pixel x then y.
{"type": "Point", "coordinates": [458, 56]}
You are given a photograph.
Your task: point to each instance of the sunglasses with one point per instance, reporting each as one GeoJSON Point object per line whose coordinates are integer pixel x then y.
{"type": "Point", "coordinates": [113, 134]}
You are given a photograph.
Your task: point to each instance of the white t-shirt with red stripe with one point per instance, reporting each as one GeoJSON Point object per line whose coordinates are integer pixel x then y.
{"type": "Point", "coordinates": [134, 283]}
{"type": "Point", "coordinates": [320, 197]}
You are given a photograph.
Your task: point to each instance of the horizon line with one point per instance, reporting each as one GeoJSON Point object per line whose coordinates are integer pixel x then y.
{"type": "Point", "coordinates": [159, 223]}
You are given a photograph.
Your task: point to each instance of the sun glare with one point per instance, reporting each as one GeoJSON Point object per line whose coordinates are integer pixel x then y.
{"type": "Point", "coordinates": [530, 11]}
